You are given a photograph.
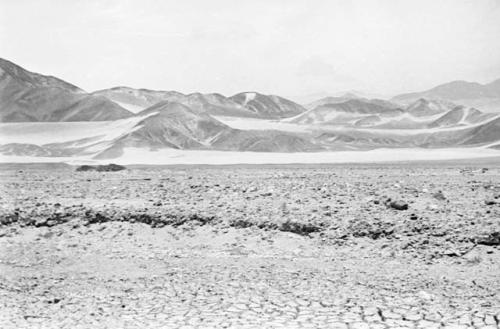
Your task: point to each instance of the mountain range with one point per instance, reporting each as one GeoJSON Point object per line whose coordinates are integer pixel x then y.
{"type": "Point", "coordinates": [46, 116]}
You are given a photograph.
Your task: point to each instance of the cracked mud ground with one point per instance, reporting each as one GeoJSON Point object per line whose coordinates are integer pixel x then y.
{"type": "Point", "coordinates": [251, 247]}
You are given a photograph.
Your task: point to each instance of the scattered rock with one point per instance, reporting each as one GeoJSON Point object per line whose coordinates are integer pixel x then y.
{"type": "Point", "coordinates": [398, 205]}
{"type": "Point", "coordinates": [439, 196]}
{"type": "Point", "coordinates": [425, 295]}
{"type": "Point", "coordinates": [492, 239]}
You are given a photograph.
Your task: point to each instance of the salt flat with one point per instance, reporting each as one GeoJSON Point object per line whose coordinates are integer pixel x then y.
{"type": "Point", "coordinates": [172, 156]}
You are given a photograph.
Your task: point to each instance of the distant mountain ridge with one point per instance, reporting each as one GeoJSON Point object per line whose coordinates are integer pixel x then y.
{"type": "Point", "coordinates": [482, 96]}
{"type": "Point", "coordinates": [358, 113]}
{"type": "Point", "coordinates": [456, 90]}
{"type": "Point", "coordinates": [248, 104]}
{"type": "Point", "coordinates": [347, 97]}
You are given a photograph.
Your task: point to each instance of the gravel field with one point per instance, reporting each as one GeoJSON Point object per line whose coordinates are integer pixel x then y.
{"type": "Point", "coordinates": [363, 246]}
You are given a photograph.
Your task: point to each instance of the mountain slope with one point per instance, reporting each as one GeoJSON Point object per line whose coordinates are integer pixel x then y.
{"type": "Point", "coordinates": [136, 100]}
{"type": "Point", "coordinates": [364, 114]}
{"type": "Point", "coordinates": [424, 107]}
{"type": "Point", "coordinates": [484, 134]}
{"type": "Point", "coordinates": [346, 113]}
{"type": "Point", "coordinates": [264, 141]}
{"type": "Point", "coordinates": [216, 104]}
{"type": "Point", "coordinates": [174, 125]}
{"type": "Point", "coordinates": [28, 96]}
{"type": "Point", "coordinates": [471, 94]}
{"type": "Point", "coordinates": [12, 71]}
{"type": "Point", "coordinates": [461, 115]}
{"type": "Point", "coordinates": [268, 106]}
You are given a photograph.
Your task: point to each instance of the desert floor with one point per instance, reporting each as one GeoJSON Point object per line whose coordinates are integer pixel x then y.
{"type": "Point", "coordinates": [297, 246]}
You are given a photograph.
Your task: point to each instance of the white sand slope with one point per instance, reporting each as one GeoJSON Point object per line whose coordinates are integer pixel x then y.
{"type": "Point", "coordinates": [261, 124]}
{"type": "Point", "coordinates": [39, 133]}
{"type": "Point", "coordinates": [131, 107]}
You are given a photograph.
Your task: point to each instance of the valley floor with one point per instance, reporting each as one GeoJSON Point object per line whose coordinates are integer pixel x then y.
{"type": "Point", "coordinates": [180, 157]}
{"type": "Point", "coordinates": [251, 247]}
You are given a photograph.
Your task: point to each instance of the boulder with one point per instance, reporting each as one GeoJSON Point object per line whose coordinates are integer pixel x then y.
{"type": "Point", "coordinates": [491, 239]}
{"type": "Point", "coordinates": [398, 205]}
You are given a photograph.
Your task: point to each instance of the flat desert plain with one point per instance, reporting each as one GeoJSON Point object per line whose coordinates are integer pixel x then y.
{"type": "Point", "coordinates": [408, 245]}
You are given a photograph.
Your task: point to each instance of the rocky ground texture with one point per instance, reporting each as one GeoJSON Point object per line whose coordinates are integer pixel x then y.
{"type": "Point", "coordinates": [365, 246]}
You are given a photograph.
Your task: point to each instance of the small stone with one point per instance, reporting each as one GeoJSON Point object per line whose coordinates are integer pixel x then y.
{"type": "Point", "coordinates": [439, 196]}
{"type": "Point", "coordinates": [425, 295]}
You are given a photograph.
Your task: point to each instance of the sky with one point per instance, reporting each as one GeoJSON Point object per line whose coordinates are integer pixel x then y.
{"type": "Point", "coordinates": [293, 48]}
